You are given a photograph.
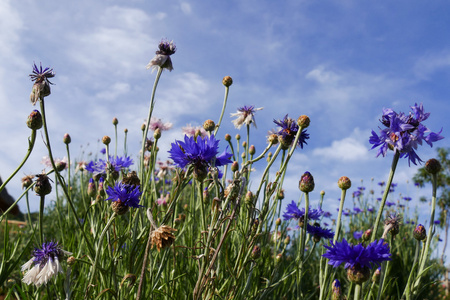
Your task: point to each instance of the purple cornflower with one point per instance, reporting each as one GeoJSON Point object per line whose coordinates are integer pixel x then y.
{"type": "Point", "coordinates": [44, 264]}
{"type": "Point", "coordinates": [356, 194]}
{"type": "Point", "coordinates": [41, 86]}
{"type": "Point", "coordinates": [293, 212]}
{"type": "Point", "coordinates": [351, 255]}
{"type": "Point", "coordinates": [358, 234]}
{"type": "Point", "coordinates": [117, 163]}
{"type": "Point", "coordinates": [389, 204]}
{"type": "Point", "coordinates": [162, 58]}
{"type": "Point", "coordinates": [103, 151]}
{"type": "Point", "coordinates": [158, 123]}
{"type": "Point", "coordinates": [200, 152]}
{"type": "Point", "coordinates": [288, 130]}
{"type": "Point", "coordinates": [437, 222]}
{"type": "Point", "coordinates": [327, 214]}
{"type": "Point", "coordinates": [126, 194]}
{"type": "Point", "coordinates": [407, 198]}
{"type": "Point", "coordinates": [361, 188]}
{"type": "Point", "coordinates": [404, 133]}
{"type": "Point", "coordinates": [382, 183]}
{"type": "Point", "coordinates": [370, 209]}
{"type": "Point", "coordinates": [357, 210]}
{"type": "Point", "coordinates": [318, 232]}
{"type": "Point", "coordinates": [245, 115]}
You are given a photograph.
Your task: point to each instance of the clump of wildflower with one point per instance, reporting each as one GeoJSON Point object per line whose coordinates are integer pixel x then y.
{"type": "Point", "coordinates": [293, 212]}
{"type": "Point", "coordinates": [404, 133]}
{"type": "Point", "coordinates": [158, 123]}
{"type": "Point", "coordinates": [245, 115]}
{"type": "Point", "coordinates": [162, 58]}
{"type": "Point", "coordinates": [123, 196]}
{"type": "Point", "coordinates": [34, 120]}
{"type": "Point", "coordinates": [420, 233]}
{"type": "Point", "coordinates": [318, 232]}
{"type": "Point", "coordinates": [44, 264]}
{"type": "Point", "coordinates": [117, 163]}
{"type": "Point", "coordinates": [306, 183]}
{"type": "Point", "coordinates": [287, 132]}
{"type": "Point", "coordinates": [357, 258]}
{"type": "Point", "coordinates": [200, 153]}
{"type": "Point", "coordinates": [162, 237]}
{"type": "Point", "coordinates": [41, 86]}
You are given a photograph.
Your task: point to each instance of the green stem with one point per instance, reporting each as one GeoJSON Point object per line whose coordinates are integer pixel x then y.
{"type": "Point", "coordinates": [357, 294]}
{"type": "Point", "coordinates": [150, 111]}
{"type": "Point", "coordinates": [41, 219]}
{"type": "Point", "coordinates": [385, 195]}
{"type": "Point", "coordinates": [223, 110]}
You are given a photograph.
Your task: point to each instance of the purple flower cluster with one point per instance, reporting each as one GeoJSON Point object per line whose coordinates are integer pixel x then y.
{"type": "Point", "coordinates": [126, 194]}
{"type": "Point", "coordinates": [375, 253]}
{"type": "Point", "coordinates": [293, 212]}
{"type": "Point", "coordinates": [117, 163]}
{"type": "Point", "coordinates": [288, 130]}
{"type": "Point", "coordinates": [200, 152]}
{"type": "Point", "coordinates": [318, 232]}
{"type": "Point", "coordinates": [404, 133]}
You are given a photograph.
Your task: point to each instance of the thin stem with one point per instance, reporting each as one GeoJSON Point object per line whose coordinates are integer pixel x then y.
{"type": "Point", "coordinates": [357, 294]}
{"type": "Point", "coordinates": [223, 110]}
{"type": "Point", "coordinates": [386, 193]}
{"type": "Point", "coordinates": [41, 219]}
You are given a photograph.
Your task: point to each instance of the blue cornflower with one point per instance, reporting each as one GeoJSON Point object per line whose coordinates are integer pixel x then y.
{"type": "Point", "coordinates": [288, 130]}
{"type": "Point", "coordinates": [375, 253]}
{"type": "Point", "coordinates": [404, 133]}
{"type": "Point", "coordinates": [44, 264]}
{"type": "Point", "coordinates": [41, 86]}
{"type": "Point", "coordinates": [200, 153]}
{"type": "Point", "coordinates": [293, 212]}
{"type": "Point", "coordinates": [162, 58]}
{"type": "Point", "coordinates": [356, 194]}
{"type": "Point", "coordinates": [370, 209]}
{"type": "Point", "coordinates": [318, 232]}
{"type": "Point", "coordinates": [117, 163]}
{"type": "Point", "coordinates": [127, 194]}
{"type": "Point", "coordinates": [358, 234]}
{"type": "Point", "coordinates": [357, 210]}
{"type": "Point", "coordinates": [245, 115]}
{"type": "Point", "coordinates": [407, 198]}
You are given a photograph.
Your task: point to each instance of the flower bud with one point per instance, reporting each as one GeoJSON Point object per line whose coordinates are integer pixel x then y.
{"type": "Point", "coordinates": [287, 240]}
{"type": "Point", "coordinates": [60, 165]}
{"type": "Point", "coordinates": [248, 197]}
{"type": "Point", "coordinates": [227, 137]}
{"type": "Point", "coordinates": [106, 140]}
{"type": "Point", "coordinates": [367, 234]}
{"type": "Point", "coordinates": [101, 189]}
{"type": "Point", "coordinates": [278, 222]}
{"type": "Point", "coordinates": [143, 126]}
{"type": "Point", "coordinates": [34, 120]}
{"type": "Point", "coordinates": [420, 233]}
{"type": "Point", "coordinates": [234, 166]}
{"type": "Point", "coordinates": [303, 121]}
{"type": "Point", "coordinates": [273, 139]}
{"type": "Point", "coordinates": [252, 150]}
{"type": "Point", "coordinates": [376, 275]}
{"type": "Point", "coordinates": [306, 183]}
{"type": "Point", "coordinates": [244, 144]}
{"type": "Point", "coordinates": [238, 137]}
{"type": "Point", "coordinates": [344, 183]}
{"type": "Point", "coordinates": [256, 252]}
{"type": "Point", "coordinates": [119, 207]}
{"type": "Point", "coordinates": [91, 190]}
{"type": "Point", "coordinates": [433, 166]}
{"type": "Point", "coordinates": [115, 121]}
{"type": "Point", "coordinates": [157, 133]}
{"type": "Point", "coordinates": [42, 186]}
{"type": "Point", "coordinates": [279, 257]}
{"type": "Point", "coordinates": [27, 181]}
{"type": "Point", "coordinates": [209, 125]}
{"type": "Point", "coordinates": [336, 290]}
{"type": "Point", "coordinates": [67, 139]}
{"type": "Point", "coordinates": [71, 260]}
{"type": "Point", "coordinates": [322, 193]}
{"type": "Point", "coordinates": [125, 130]}
{"type": "Point", "coordinates": [280, 194]}
{"type": "Point", "coordinates": [227, 81]}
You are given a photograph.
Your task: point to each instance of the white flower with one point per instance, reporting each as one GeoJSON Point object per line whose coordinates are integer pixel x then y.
{"type": "Point", "coordinates": [245, 115]}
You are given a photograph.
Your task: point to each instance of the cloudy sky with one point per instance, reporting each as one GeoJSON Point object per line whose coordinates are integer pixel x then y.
{"type": "Point", "coordinates": [339, 62]}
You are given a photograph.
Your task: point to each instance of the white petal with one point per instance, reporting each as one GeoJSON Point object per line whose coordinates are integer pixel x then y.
{"type": "Point", "coordinates": [27, 265]}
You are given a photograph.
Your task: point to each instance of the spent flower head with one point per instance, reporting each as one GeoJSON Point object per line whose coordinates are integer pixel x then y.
{"type": "Point", "coordinates": [162, 58]}
{"type": "Point", "coordinates": [41, 86]}
{"type": "Point", "coordinates": [245, 115]}
{"type": "Point", "coordinates": [404, 133]}
{"type": "Point", "coordinates": [44, 264]}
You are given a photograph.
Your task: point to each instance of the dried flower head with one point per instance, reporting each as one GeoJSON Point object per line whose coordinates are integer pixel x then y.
{"type": "Point", "coordinates": [41, 86]}
{"type": "Point", "coordinates": [162, 59]}
{"type": "Point", "coordinates": [162, 237]}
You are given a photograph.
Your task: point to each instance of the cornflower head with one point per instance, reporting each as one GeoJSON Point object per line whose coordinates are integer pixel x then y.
{"type": "Point", "coordinates": [123, 197]}
{"type": "Point", "coordinates": [392, 224]}
{"type": "Point", "coordinates": [190, 130]}
{"type": "Point", "coordinates": [357, 234]}
{"type": "Point", "coordinates": [41, 86]}
{"type": "Point", "coordinates": [293, 212]}
{"type": "Point", "coordinates": [318, 232]}
{"type": "Point", "coordinates": [245, 115]}
{"type": "Point", "coordinates": [44, 264]}
{"type": "Point", "coordinates": [357, 258]}
{"type": "Point", "coordinates": [404, 133]}
{"type": "Point", "coordinates": [61, 164]}
{"type": "Point", "coordinates": [158, 123]}
{"type": "Point", "coordinates": [288, 129]}
{"type": "Point", "coordinates": [162, 58]}
{"type": "Point", "coordinates": [116, 164]}
{"type": "Point", "coordinates": [201, 153]}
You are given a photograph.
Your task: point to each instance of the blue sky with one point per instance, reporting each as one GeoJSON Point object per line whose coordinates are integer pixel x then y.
{"type": "Point", "coordinates": [339, 62]}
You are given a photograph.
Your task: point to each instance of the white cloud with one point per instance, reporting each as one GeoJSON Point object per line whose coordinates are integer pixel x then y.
{"type": "Point", "coordinates": [431, 63]}
{"type": "Point", "coordinates": [114, 91]}
{"type": "Point", "coordinates": [347, 149]}
{"type": "Point", "coordinates": [185, 8]}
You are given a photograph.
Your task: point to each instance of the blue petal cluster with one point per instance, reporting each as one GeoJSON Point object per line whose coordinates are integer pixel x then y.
{"type": "Point", "coordinates": [40, 75]}
{"type": "Point", "coordinates": [288, 131]}
{"type": "Point", "coordinates": [118, 163]}
{"type": "Point", "coordinates": [374, 253]}
{"type": "Point", "coordinates": [200, 153]}
{"type": "Point", "coordinates": [404, 133]}
{"type": "Point", "coordinates": [125, 193]}
{"type": "Point", "coordinates": [49, 250]}
{"type": "Point", "coordinates": [293, 212]}
{"type": "Point", "coordinates": [319, 232]}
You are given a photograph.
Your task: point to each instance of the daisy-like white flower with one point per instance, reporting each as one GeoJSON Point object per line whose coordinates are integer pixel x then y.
{"type": "Point", "coordinates": [190, 130]}
{"type": "Point", "coordinates": [245, 115]}
{"type": "Point", "coordinates": [158, 123]}
{"type": "Point", "coordinates": [162, 58]}
{"type": "Point", "coordinates": [44, 264]}
{"type": "Point", "coordinates": [41, 87]}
